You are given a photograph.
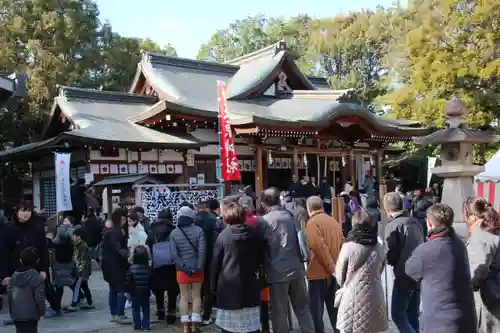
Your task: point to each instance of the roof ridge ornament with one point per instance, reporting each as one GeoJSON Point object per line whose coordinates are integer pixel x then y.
{"type": "Point", "coordinates": [271, 50]}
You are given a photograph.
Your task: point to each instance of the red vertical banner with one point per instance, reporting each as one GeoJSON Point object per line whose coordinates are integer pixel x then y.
{"type": "Point", "coordinates": [229, 160]}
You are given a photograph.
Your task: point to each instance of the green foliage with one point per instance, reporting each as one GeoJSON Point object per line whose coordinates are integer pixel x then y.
{"type": "Point", "coordinates": [253, 33]}
{"type": "Point", "coordinates": [451, 50]}
{"type": "Point", "coordinates": [410, 60]}
{"type": "Point", "coordinates": [59, 42]}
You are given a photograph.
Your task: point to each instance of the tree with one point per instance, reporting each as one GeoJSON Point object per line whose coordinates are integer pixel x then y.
{"type": "Point", "coordinates": [58, 42]}
{"type": "Point", "coordinates": [254, 33]}
{"type": "Point", "coordinates": [451, 50]}
{"type": "Point", "coordinates": [350, 49]}
{"type": "Point", "coordinates": [119, 59]}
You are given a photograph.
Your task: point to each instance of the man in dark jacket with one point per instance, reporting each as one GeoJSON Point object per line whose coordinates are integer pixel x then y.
{"type": "Point", "coordinates": [284, 267]}
{"type": "Point", "coordinates": [442, 266]}
{"type": "Point", "coordinates": [209, 222]}
{"type": "Point", "coordinates": [78, 200]}
{"type": "Point", "coordinates": [93, 229]}
{"type": "Point", "coordinates": [403, 235]}
{"type": "Point", "coordinates": [163, 278]}
{"type": "Point", "coordinates": [296, 189]}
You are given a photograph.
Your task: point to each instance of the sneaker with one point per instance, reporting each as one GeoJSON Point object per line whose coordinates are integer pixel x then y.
{"type": "Point", "coordinates": [8, 322]}
{"type": "Point", "coordinates": [87, 307]}
{"type": "Point", "coordinates": [161, 315]}
{"type": "Point", "coordinates": [52, 314]}
{"type": "Point", "coordinates": [70, 308]}
{"type": "Point", "coordinates": [207, 322]}
{"type": "Point", "coordinates": [146, 329]}
{"type": "Point", "coordinates": [121, 319]}
{"type": "Point", "coordinates": [171, 319]}
{"type": "Point", "coordinates": [113, 319]}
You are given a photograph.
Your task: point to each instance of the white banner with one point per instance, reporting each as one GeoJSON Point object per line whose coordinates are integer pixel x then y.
{"type": "Point", "coordinates": [63, 187]}
{"type": "Point", "coordinates": [431, 163]}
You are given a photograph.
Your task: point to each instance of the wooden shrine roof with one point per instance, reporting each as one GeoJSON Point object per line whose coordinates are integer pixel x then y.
{"type": "Point", "coordinates": [102, 118]}
{"type": "Point", "coordinates": [189, 87]}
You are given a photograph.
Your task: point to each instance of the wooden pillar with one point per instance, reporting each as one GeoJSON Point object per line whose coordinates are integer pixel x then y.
{"type": "Point", "coordinates": [109, 190]}
{"type": "Point", "coordinates": [295, 162]}
{"type": "Point", "coordinates": [338, 209]}
{"type": "Point", "coordinates": [185, 170]}
{"type": "Point", "coordinates": [352, 168]}
{"type": "Point", "coordinates": [382, 191]}
{"type": "Point", "coordinates": [378, 164]}
{"type": "Point", "coordinates": [137, 196]}
{"type": "Point", "coordinates": [259, 185]}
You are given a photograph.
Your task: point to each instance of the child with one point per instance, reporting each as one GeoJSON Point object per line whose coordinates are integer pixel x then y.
{"type": "Point", "coordinates": [139, 287]}
{"type": "Point", "coordinates": [27, 293]}
{"type": "Point", "coordinates": [442, 266]}
{"type": "Point", "coordinates": [83, 262]}
{"type": "Point", "coordinates": [63, 264]}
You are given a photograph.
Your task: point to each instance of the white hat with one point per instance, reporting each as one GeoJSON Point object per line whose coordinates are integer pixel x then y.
{"type": "Point", "coordinates": [187, 212]}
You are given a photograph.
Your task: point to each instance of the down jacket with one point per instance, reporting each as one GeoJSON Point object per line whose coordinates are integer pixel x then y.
{"type": "Point", "coordinates": [484, 257]}
{"type": "Point", "coordinates": [187, 246]}
{"type": "Point", "coordinates": [362, 304]}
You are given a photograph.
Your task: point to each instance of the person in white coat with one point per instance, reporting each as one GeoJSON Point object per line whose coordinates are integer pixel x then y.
{"type": "Point", "coordinates": [136, 233]}
{"type": "Point", "coordinates": [360, 299]}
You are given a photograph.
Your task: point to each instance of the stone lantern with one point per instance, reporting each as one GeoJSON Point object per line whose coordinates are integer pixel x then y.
{"type": "Point", "coordinates": [457, 167]}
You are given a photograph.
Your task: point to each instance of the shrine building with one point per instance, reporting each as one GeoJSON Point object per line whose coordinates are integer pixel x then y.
{"type": "Point", "coordinates": [283, 121]}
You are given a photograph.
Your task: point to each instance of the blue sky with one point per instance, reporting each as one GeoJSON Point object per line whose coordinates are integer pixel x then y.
{"type": "Point", "coordinates": [188, 24]}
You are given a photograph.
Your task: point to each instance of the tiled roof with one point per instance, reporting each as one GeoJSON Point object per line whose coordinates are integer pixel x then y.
{"type": "Point", "coordinates": [190, 87]}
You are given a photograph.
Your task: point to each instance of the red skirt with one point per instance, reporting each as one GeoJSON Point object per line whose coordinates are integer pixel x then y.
{"type": "Point", "coordinates": [184, 278]}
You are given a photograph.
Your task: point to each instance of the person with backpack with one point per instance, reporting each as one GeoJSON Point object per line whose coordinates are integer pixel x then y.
{"type": "Point", "coordinates": [187, 247]}
{"type": "Point", "coordinates": [163, 269]}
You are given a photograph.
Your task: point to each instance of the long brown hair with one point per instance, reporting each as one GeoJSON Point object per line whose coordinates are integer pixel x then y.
{"type": "Point", "coordinates": [482, 209]}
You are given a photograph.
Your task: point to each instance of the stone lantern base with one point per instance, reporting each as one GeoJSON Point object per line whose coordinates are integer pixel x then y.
{"type": "Point", "coordinates": [458, 186]}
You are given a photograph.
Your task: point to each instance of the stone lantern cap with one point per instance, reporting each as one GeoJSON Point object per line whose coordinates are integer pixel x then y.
{"type": "Point", "coordinates": [456, 130]}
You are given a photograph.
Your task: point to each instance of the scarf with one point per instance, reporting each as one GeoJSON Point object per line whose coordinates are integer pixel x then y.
{"type": "Point", "coordinates": [439, 232]}
{"type": "Point", "coordinates": [362, 235]}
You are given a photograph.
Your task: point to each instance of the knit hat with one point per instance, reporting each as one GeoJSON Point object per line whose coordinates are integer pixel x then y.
{"type": "Point", "coordinates": [187, 212]}
{"type": "Point", "coordinates": [246, 202]}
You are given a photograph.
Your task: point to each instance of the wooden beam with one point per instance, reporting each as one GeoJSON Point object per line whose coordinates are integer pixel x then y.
{"type": "Point", "coordinates": [259, 182]}
{"type": "Point", "coordinates": [295, 162]}
{"type": "Point", "coordinates": [250, 130]}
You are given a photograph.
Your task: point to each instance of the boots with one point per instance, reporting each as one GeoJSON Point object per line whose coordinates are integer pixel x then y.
{"type": "Point", "coordinates": [171, 318]}
{"type": "Point", "coordinates": [161, 314]}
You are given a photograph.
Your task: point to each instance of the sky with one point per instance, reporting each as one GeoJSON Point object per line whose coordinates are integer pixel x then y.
{"type": "Point", "coordinates": [188, 24]}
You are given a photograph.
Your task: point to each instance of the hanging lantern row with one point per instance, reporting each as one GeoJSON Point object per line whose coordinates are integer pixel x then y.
{"type": "Point", "coordinates": [281, 133]}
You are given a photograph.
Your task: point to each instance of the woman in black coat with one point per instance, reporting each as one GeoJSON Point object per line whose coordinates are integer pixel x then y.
{"type": "Point", "coordinates": [238, 256]}
{"type": "Point", "coordinates": [114, 262]}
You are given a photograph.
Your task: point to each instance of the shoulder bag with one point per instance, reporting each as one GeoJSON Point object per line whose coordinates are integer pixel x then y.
{"type": "Point", "coordinates": [187, 238]}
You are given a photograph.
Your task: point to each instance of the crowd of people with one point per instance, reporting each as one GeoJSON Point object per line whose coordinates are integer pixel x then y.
{"type": "Point", "coordinates": [255, 264]}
